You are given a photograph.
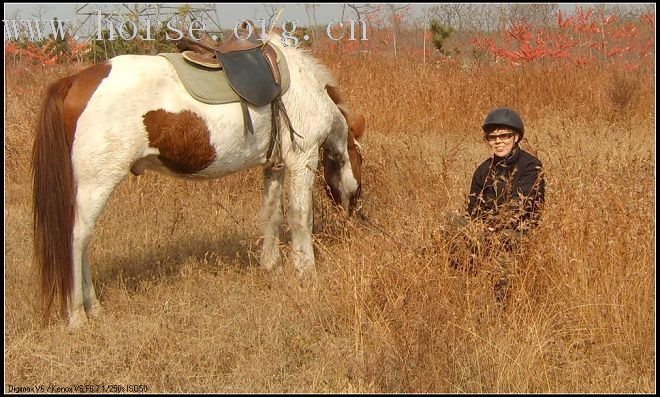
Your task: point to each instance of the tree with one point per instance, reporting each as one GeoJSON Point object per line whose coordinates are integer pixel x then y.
{"type": "Point", "coordinates": [397, 15]}
{"type": "Point", "coordinates": [362, 11]}
{"type": "Point", "coordinates": [440, 33]}
{"type": "Point", "coordinates": [540, 15]}
{"type": "Point", "coordinates": [459, 15]}
{"type": "Point", "coordinates": [313, 26]}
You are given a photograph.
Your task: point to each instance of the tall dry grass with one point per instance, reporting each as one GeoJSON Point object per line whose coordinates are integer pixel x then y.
{"type": "Point", "coordinates": [188, 310]}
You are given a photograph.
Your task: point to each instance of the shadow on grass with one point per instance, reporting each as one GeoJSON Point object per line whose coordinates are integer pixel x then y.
{"type": "Point", "coordinates": [161, 262]}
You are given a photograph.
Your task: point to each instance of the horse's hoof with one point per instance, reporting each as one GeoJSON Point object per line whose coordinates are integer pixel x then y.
{"type": "Point", "coordinates": [271, 265]}
{"type": "Point", "coordinates": [307, 275]}
{"type": "Point", "coordinates": [77, 320]}
{"type": "Point", "coordinates": [95, 311]}
{"type": "Point", "coordinates": [273, 269]}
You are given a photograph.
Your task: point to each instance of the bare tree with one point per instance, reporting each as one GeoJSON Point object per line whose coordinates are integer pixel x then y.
{"type": "Point", "coordinates": [271, 11]}
{"type": "Point", "coordinates": [628, 12]}
{"type": "Point", "coordinates": [312, 7]}
{"type": "Point", "coordinates": [473, 17]}
{"type": "Point", "coordinates": [457, 15]}
{"type": "Point", "coordinates": [362, 11]}
{"type": "Point", "coordinates": [393, 11]}
{"type": "Point", "coordinates": [538, 14]}
{"type": "Point", "coordinates": [40, 12]}
{"type": "Point", "coordinates": [424, 21]}
{"type": "Point", "coordinates": [488, 17]}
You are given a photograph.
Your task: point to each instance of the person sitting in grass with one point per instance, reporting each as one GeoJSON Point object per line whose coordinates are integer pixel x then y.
{"type": "Point", "coordinates": [505, 201]}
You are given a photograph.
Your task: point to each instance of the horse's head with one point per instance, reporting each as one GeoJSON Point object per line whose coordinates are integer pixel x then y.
{"type": "Point", "coordinates": [343, 171]}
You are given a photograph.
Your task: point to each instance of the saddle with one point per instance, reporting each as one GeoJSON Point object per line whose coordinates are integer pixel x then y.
{"type": "Point", "coordinates": [251, 69]}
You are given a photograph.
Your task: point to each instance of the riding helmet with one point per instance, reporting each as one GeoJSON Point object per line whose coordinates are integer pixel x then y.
{"type": "Point", "coordinates": [506, 117]}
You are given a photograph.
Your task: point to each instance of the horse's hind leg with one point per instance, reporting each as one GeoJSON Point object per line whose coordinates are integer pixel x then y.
{"type": "Point", "coordinates": [90, 301]}
{"type": "Point", "coordinates": [271, 217]}
{"type": "Point", "coordinates": [91, 199]}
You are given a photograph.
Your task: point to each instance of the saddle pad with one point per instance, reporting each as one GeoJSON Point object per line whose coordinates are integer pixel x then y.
{"type": "Point", "coordinates": [211, 85]}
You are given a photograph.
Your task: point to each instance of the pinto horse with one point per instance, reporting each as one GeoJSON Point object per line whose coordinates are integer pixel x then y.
{"type": "Point", "coordinates": [132, 113]}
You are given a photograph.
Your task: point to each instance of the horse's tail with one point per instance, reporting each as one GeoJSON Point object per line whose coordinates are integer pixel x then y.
{"type": "Point", "coordinates": [53, 198]}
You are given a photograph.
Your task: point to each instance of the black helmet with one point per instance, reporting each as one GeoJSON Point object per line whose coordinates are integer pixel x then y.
{"type": "Point", "coordinates": [507, 117]}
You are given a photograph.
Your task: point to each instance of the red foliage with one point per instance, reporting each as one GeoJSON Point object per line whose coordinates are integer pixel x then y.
{"type": "Point", "coordinates": [574, 39]}
{"type": "Point", "coordinates": [47, 53]}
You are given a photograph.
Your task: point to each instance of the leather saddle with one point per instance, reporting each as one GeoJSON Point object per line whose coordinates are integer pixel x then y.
{"type": "Point", "coordinates": [251, 69]}
{"type": "Point", "coordinates": [249, 64]}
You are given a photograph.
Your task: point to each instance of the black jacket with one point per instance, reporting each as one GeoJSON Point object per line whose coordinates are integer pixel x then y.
{"type": "Point", "coordinates": [508, 192]}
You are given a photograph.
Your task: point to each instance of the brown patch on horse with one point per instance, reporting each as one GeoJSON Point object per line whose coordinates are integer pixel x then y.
{"type": "Point", "coordinates": [356, 130]}
{"type": "Point", "coordinates": [182, 138]}
{"type": "Point", "coordinates": [356, 123]}
{"type": "Point", "coordinates": [83, 85]}
{"type": "Point", "coordinates": [356, 126]}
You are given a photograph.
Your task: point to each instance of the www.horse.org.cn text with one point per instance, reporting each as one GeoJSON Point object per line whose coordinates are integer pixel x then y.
{"type": "Point", "coordinates": [146, 28]}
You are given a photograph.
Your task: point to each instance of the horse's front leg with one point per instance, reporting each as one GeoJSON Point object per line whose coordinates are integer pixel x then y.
{"type": "Point", "coordinates": [271, 217]}
{"type": "Point", "coordinates": [302, 168]}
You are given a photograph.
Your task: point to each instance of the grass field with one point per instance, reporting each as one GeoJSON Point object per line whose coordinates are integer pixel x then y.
{"type": "Point", "coordinates": [187, 309]}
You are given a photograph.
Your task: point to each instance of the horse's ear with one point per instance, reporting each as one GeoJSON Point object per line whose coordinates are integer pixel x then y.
{"type": "Point", "coordinates": [357, 125]}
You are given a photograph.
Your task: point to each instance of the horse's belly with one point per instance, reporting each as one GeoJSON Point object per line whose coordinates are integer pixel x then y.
{"type": "Point", "coordinates": [227, 162]}
{"type": "Point", "coordinates": [194, 162]}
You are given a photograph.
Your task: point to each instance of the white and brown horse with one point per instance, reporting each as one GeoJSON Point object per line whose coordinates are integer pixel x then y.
{"type": "Point", "coordinates": [132, 113]}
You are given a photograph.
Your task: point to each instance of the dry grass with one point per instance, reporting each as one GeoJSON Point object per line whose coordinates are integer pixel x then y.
{"type": "Point", "coordinates": [188, 310]}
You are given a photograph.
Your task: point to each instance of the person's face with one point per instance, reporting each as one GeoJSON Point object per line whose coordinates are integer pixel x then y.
{"type": "Point", "coordinates": [501, 140]}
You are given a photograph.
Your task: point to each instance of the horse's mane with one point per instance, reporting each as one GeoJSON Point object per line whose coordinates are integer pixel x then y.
{"type": "Point", "coordinates": [321, 72]}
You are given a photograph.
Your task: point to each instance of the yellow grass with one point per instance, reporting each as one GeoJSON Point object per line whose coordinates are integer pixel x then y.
{"type": "Point", "coordinates": [186, 308]}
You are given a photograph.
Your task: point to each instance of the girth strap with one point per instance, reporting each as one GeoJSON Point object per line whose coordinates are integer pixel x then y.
{"type": "Point", "coordinates": [277, 108]}
{"type": "Point", "coordinates": [247, 120]}
{"type": "Point", "coordinates": [293, 132]}
{"type": "Point", "coordinates": [274, 131]}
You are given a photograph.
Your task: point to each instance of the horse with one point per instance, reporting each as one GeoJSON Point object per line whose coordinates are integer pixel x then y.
{"type": "Point", "coordinates": [132, 113]}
